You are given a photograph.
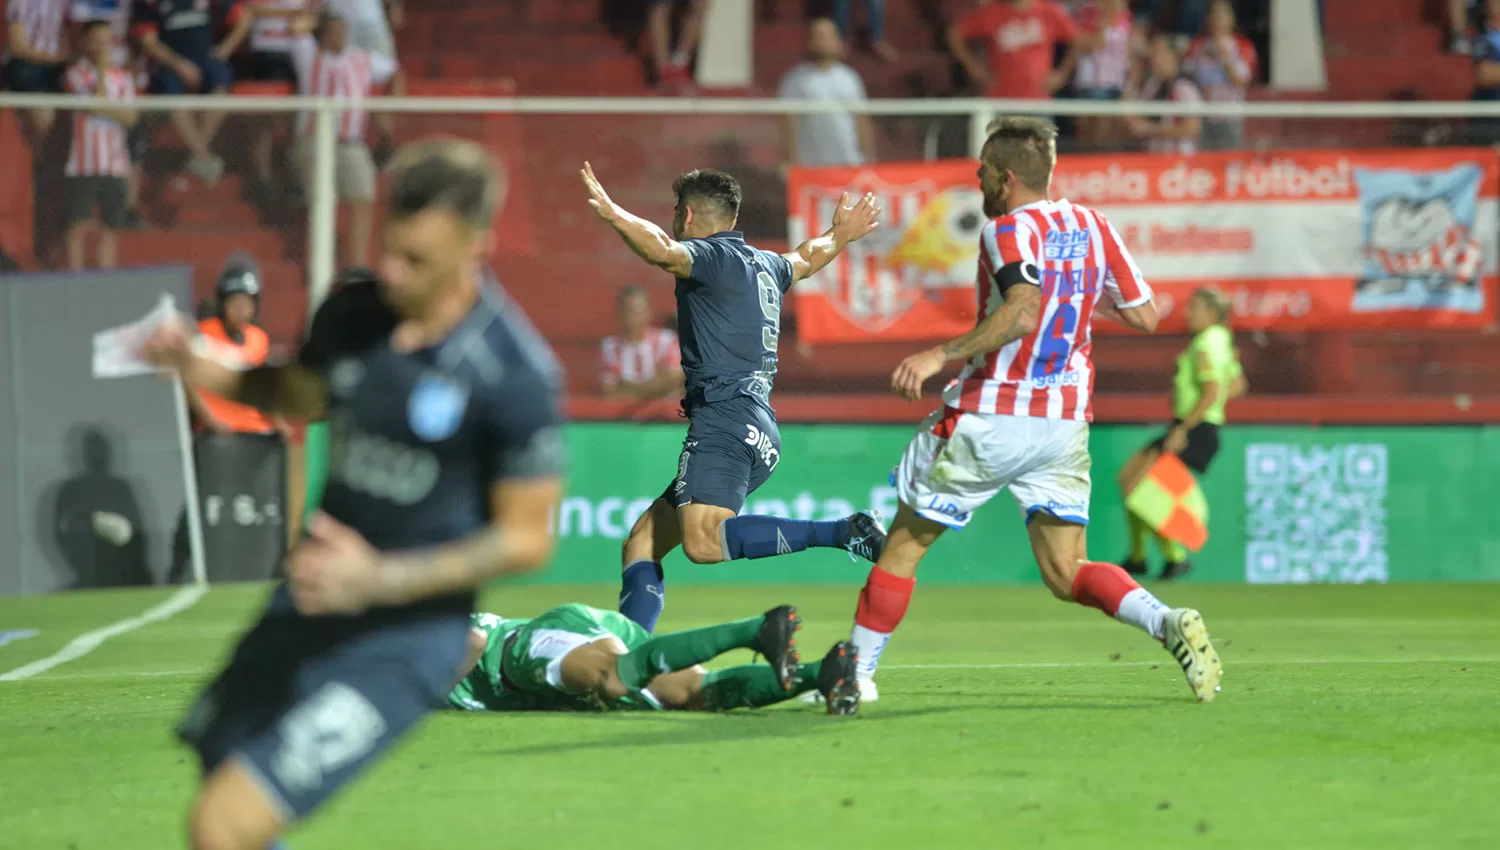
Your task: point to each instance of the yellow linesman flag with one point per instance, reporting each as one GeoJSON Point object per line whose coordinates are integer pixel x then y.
{"type": "Point", "coordinates": [1169, 500]}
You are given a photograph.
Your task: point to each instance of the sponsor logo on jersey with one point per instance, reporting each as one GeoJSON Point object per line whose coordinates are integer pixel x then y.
{"type": "Point", "coordinates": [1065, 245]}
{"type": "Point", "coordinates": [378, 466]}
{"type": "Point", "coordinates": [436, 407]}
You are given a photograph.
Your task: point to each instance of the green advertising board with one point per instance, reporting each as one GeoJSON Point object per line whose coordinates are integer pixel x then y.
{"type": "Point", "coordinates": [1287, 504]}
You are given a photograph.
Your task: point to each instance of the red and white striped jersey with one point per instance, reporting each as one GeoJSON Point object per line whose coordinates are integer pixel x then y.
{"type": "Point", "coordinates": [1108, 65]}
{"type": "Point", "coordinates": [351, 75]}
{"type": "Point", "coordinates": [274, 35]}
{"type": "Point", "coordinates": [42, 21]}
{"type": "Point", "coordinates": [1206, 62]}
{"type": "Point", "coordinates": [639, 361]}
{"type": "Point", "coordinates": [98, 148]}
{"type": "Point", "coordinates": [1077, 257]}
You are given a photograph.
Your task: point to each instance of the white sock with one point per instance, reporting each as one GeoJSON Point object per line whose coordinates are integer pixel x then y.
{"type": "Point", "coordinates": [1144, 611]}
{"type": "Point", "coordinates": [869, 644]}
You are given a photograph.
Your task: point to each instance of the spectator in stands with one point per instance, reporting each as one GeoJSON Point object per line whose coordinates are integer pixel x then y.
{"type": "Point", "coordinates": [117, 14]}
{"type": "Point", "coordinates": [332, 67]}
{"type": "Point", "coordinates": [1107, 45]}
{"type": "Point", "coordinates": [99, 161]}
{"type": "Point", "coordinates": [672, 66]}
{"type": "Point", "coordinates": [843, 13]}
{"type": "Point", "coordinates": [37, 52]}
{"type": "Point", "coordinates": [1487, 74]}
{"type": "Point", "coordinates": [641, 363]}
{"type": "Point", "coordinates": [1021, 38]}
{"type": "Point", "coordinates": [371, 23]}
{"type": "Point", "coordinates": [1222, 63]}
{"type": "Point", "coordinates": [1461, 14]}
{"type": "Point", "coordinates": [270, 60]}
{"type": "Point", "coordinates": [1181, 19]}
{"type": "Point", "coordinates": [178, 36]}
{"type": "Point", "coordinates": [830, 138]}
{"type": "Point", "coordinates": [232, 326]}
{"type": "Point", "coordinates": [1167, 84]}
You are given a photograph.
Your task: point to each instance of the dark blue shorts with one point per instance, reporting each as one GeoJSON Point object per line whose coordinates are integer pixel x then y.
{"type": "Point", "coordinates": [216, 76]}
{"type": "Point", "coordinates": [307, 704]}
{"type": "Point", "coordinates": [732, 447]}
{"type": "Point", "coordinates": [25, 77]}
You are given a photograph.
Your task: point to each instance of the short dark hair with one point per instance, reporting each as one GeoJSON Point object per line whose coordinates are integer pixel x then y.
{"type": "Point", "coordinates": [445, 174]}
{"type": "Point", "coordinates": [630, 291]}
{"type": "Point", "coordinates": [1024, 145]}
{"type": "Point", "coordinates": [710, 191]}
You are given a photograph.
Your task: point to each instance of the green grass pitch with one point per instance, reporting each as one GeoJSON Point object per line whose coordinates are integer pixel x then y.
{"type": "Point", "coordinates": [1351, 717]}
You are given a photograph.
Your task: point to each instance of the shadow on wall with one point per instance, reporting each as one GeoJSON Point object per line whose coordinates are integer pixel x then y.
{"type": "Point", "coordinates": [92, 526]}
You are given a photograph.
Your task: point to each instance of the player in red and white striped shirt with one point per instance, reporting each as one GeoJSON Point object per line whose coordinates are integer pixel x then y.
{"type": "Point", "coordinates": [1018, 418]}
{"type": "Point", "coordinates": [36, 49]}
{"type": "Point", "coordinates": [330, 67]}
{"type": "Point", "coordinates": [98, 168]}
{"type": "Point", "coordinates": [641, 363]}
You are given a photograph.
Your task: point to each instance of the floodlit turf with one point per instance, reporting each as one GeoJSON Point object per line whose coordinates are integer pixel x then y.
{"type": "Point", "coordinates": [1350, 718]}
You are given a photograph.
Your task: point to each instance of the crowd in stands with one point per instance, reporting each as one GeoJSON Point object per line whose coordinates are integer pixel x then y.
{"type": "Point", "coordinates": [117, 48]}
{"type": "Point", "coordinates": [1039, 49]}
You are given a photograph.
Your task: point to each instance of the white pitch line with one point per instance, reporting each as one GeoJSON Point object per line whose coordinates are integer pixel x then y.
{"type": "Point", "coordinates": [90, 641]}
{"type": "Point", "coordinates": [1034, 665]}
{"type": "Point", "coordinates": [1233, 663]}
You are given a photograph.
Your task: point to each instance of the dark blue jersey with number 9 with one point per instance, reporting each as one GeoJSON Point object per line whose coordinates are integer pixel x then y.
{"type": "Point", "coordinates": [729, 318]}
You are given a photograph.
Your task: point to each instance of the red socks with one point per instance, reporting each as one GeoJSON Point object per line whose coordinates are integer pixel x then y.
{"type": "Point", "coordinates": [883, 601]}
{"type": "Point", "coordinates": [1102, 586]}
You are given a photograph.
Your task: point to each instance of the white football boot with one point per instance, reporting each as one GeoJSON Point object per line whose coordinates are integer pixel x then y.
{"type": "Point", "coordinates": [1185, 636]}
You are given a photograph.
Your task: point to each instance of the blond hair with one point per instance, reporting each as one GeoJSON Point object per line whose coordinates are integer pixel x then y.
{"type": "Point", "coordinates": [1025, 146]}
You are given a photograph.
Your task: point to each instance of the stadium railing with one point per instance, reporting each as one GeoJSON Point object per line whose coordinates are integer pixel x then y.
{"type": "Point", "coordinates": [565, 268]}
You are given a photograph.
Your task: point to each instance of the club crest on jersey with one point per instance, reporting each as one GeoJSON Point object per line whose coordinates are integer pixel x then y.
{"type": "Point", "coordinates": [436, 407]}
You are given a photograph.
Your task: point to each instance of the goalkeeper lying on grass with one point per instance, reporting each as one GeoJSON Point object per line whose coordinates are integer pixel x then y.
{"type": "Point", "coordinates": [577, 658]}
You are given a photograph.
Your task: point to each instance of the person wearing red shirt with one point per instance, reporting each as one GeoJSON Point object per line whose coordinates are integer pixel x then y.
{"type": "Point", "coordinates": [1021, 39]}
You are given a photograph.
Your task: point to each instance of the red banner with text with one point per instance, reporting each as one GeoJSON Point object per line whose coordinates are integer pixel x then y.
{"type": "Point", "coordinates": [1300, 240]}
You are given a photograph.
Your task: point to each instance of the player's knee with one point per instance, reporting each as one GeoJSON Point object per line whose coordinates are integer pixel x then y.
{"type": "Point", "coordinates": [1057, 575]}
{"type": "Point", "coordinates": [703, 547]}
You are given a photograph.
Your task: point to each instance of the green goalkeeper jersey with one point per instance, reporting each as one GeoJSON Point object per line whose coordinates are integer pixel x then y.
{"type": "Point", "coordinates": [532, 656]}
{"type": "Point", "coordinates": [482, 689]}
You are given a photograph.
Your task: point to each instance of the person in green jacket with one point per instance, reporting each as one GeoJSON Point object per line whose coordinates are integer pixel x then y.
{"type": "Point", "coordinates": [1208, 376]}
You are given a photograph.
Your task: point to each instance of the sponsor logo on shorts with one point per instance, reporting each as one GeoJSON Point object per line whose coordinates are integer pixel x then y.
{"type": "Point", "coordinates": [936, 503]}
{"type": "Point", "coordinates": [1061, 508]}
{"type": "Point", "coordinates": [337, 725]}
{"type": "Point", "coordinates": [761, 443]}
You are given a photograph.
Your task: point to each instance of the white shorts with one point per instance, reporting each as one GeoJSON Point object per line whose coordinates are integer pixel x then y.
{"type": "Point", "coordinates": [958, 461]}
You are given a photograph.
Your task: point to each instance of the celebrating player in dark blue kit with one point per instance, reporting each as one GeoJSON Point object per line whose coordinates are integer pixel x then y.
{"type": "Point", "coordinates": [442, 404]}
{"type": "Point", "coordinates": [729, 318]}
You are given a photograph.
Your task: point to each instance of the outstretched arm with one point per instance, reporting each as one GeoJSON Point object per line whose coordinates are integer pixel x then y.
{"type": "Point", "coordinates": [850, 224]}
{"type": "Point", "coordinates": [648, 241]}
{"type": "Point", "coordinates": [1016, 318]}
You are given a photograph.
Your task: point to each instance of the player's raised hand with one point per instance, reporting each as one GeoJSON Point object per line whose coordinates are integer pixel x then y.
{"type": "Point", "coordinates": [914, 371]}
{"type": "Point", "coordinates": [852, 223]}
{"type": "Point", "coordinates": [169, 346]}
{"type": "Point", "coordinates": [598, 198]}
{"type": "Point", "coordinates": [334, 570]}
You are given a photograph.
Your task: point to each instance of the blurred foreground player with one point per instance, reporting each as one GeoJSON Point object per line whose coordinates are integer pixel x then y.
{"type": "Point", "coordinates": [1018, 416]}
{"type": "Point", "coordinates": [728, 325]}
{"type": "Point", "coordinates": [577, 658]}
{"type": "Point", "coordinates": [444, 465]}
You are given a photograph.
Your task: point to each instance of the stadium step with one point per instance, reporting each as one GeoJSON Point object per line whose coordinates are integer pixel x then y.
{"type": "Point", "coordinates": [1341, 15]}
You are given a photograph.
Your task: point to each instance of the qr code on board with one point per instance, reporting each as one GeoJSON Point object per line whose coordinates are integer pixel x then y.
{"type": "Point", "coordinates": [1315, 513]}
